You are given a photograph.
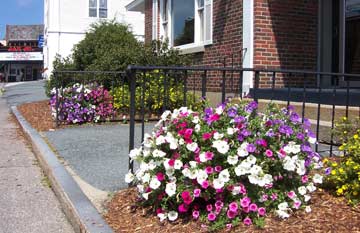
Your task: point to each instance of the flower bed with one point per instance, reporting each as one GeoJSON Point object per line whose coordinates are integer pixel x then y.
{"type": "Point", "coordinates": [227, 165]}
{"type": "Point", "coordinates": [81, 104]}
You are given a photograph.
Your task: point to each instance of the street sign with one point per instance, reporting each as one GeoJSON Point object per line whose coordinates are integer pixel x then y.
{"type": "Point", "coordinates": [41, 41]}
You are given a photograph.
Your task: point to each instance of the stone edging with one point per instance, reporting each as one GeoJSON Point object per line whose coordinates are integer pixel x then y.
{"type": "Point", "coordinates": [80, 212]}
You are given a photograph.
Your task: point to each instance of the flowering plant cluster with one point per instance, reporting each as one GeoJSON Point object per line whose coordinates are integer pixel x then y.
{"type": "Point", "coordinates": [343, 175]}
{"type": "Point", "coordinates": [81, 104]}
{"type": "Point", "coordinates": [227, 165]}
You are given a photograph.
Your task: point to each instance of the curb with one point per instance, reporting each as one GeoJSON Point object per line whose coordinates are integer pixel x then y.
{"type": "Point", "coordinates": [80, 212]}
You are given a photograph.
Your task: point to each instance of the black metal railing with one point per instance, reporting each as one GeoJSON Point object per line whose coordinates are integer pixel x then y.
{"type": "Point", "coordinates": [312, 93]}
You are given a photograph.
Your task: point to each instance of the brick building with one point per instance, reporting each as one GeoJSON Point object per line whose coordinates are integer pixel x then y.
{"type": "Point", "coordinates": [317, 35]}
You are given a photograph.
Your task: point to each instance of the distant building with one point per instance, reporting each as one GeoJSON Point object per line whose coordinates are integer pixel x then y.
{"type": "Point", "coordinates": [67, 21]}
{"type": "Point", "coordinates": [21, 59]}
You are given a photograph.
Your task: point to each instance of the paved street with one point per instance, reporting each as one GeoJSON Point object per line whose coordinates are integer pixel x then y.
{"type": "Point", "coordinates": [27, 203]}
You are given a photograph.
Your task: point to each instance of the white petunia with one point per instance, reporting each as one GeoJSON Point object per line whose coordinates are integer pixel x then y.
{"type": "Point", "coordinates": [170, 172]}
{"type": "Point", "coordinates": [221, 146]}
{"type": "Point", "coordinates": [219, 110]}
{"type": "Point", "coordinates": [165, 115]}
{"type": "Point", "coordinates": [289, 164]}
{"type": "Point", "coordinates": [140, 188]}
{"type": "Point", "coordinates": [242, 152]}
{"type": "Point", "coordinates": [158, 153]}
{"type": "Point", "coordinates": [307, 209]}
{"type": "Point", "coordinates": [135, 153]}
{"type": "Point", "coordinates": [145, 178]}
{"type": "Point", "coordinates": [255, 170]}
{"type": "Point", "coordinates": [129, 177]}
{"type": "Point", "coordinates": [145, 196]}
{"type": "Point", "coordinates": [170, 189]}
{"type": "Point", "coordinates": [178, 164]}
{"type": "Point", "coordinates": [218, 183]}
{"type": "Point", "coordinates": [236, 190]}
{"type": "Point", "coordinates": [230, 131]}
{"type": "Point", "coordinates": [317, 179]}
{"type": "Point", "coordinates": [197, 128]}
{"type": "Point", "coordinates": [232, 159]}
{"type": "Point", "coordinates": [282, 214]}
{"type": "Point", "coordinates": [202, 157]}
{"type": "Point", "coordinates": [302, 190]}
{"type": "Point", "coordinates": [311, 187]}
{"type": "Point", "coordinates": [172, 215]}
{"type": "Point", "coordinates": [241, 170]}
{"type": "Point", "coordinates": [162, 216]}
{"type": "Point", "coordinates": [154, 183]}
{"type": "Point", "coordinates": [307, 198]}
{"type": "Point", "coordinates": [181, 141]}
{"type": "Point", "coordinates": [300, 167]}
{"type": "Point", "coordinates": [224, 175]}
{"type": "Point", "coordinates": [292, 147]}
{"type": "Point", "coordinates": [196, 120]}
{"type": "Point", "coordinates": [283, 206]}
{"type": "Point", "coordinates": [160, 140]}
{"type": "Point", "coordinates": [218, 136]}
{"type": "Point", "coordinates": [201, 176]}
{"type": "Point", "coordinates": [312, 140]}
{"type": "Point", "coordinates": [192, 146]}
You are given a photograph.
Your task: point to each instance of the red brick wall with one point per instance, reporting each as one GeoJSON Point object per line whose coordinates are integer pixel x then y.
{"type": "Point", "coordinates": [285, 34]}
{"type": "Point", "coordinates": [148, 21]}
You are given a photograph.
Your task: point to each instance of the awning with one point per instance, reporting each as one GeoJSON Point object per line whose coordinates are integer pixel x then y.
{"type": "Point", "coordinates": [137, 6]}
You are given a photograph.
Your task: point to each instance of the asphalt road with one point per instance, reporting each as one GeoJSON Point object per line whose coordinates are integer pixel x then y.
{"type": "Point", "coordinates": [26, 92]}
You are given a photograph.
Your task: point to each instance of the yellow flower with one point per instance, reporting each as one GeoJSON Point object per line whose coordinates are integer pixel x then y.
{"type": "Point", "coordinates": [325, 161]}
{"type": "Point", "coordinates": [345, 132]}
{"type": "Point", "coordinates": [356, 136]}
{"type": "Point", "coordinates": [334, 164]}
{"type": "Point", "coordinates": [341, 147]}
{"type": "Point", "coordinates": [333, 172]}
{"type": "Point", "coordinates": [341, 170]}
{"type": "Point", "coordinates": [339, 191]}
{"type": "Point", "coordinates": [344, 118]}
{"type": "Point", "coordinates": [355, 193]}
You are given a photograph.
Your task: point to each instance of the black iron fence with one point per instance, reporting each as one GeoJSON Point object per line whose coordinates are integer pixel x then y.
{"type": "Point", "coordinates": [142, 93]}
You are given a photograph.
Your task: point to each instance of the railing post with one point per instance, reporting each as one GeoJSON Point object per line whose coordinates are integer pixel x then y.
{"type": "Point", "coordinates": [131, 74]}
{"type": "Point", "coordinates": [223, 89]}
{"type": "Point", "coordinates": [257, 76]}
{"type": "Point", "coordinates": [203, 84]}
{"type": "Point", "coordinates": [57, 99]}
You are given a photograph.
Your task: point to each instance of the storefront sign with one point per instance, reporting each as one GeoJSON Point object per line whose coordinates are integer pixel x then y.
{"type": "Point", "coordinates": [21, 56]}
{"type": "Point", "coordinates": [20, 49]}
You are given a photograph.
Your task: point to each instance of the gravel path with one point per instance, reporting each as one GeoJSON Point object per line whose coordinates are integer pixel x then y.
{"type": "Point", "coordinates": [98, 154]}
{"type": "Point", "coordinates": [27, 203]}
{"type": "Point", "coordinates": [24, 92]}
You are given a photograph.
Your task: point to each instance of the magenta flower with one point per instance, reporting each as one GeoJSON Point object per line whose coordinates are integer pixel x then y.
{"type": "Point", "coordinates": [297, 204]}
{"type": "Point", "coordinates": [304, 179]}
{"type": "Point", "coordinates": [205, 184]}
{"type": "Point", "coordinates": [160, 176]}
{"type": "Point", "coordinates": [291, 194]}
{"type": "Point", "coordinates": [209, 170]}
{"type": "Point", "coordinates": [228, 226]}
{"type": "Point", "coordinates": [233, 206]}
{"type": "Point", "coordinates": [183, 208]}
{"type": "Point", "coordinates": [274, 196]}
{"type": "Point", "coordinates": [219, 204]}
{"type": "Point", "coordinates": [188, 133]}
{"type": "Point", "coordinates": [206, 136]}
{"type": "Point", "coordinates": [269, 153]}
{"type": "Point", "coordinates": [218, 168]}
{"type": "Point", "coordinates": [186, 197]}
{"type": "Point", "coordinates": [211, 217]}
{"type": "Point", "coordinates": [209, 207]}
{"type": "Point", "coordinates": [264, 197]}
{"type": "Point", "coordinates": [246, 210]}
{"type": "Point", "coordinates": [245, 202]}
{"type": "Point", "coordinates": [261, 211]}
{"type": "Point", "coordinates": [195, 214]}
{"type": "Point", "coordinates": [171, 162]}
{"type": "Point", "coordinates": [253, 207]}
{"type": "Point", "coordinates": [197, 192]}
{"type": "Point", "coordinates": [231, 214]}
{"type": "Point", "coordinates": [247, 221]}
{"type": "Point", "coordinates": [209, 155]}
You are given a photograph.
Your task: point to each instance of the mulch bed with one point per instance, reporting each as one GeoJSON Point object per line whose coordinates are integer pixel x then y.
{"type": "Point", "coordinates": [329, 214]}
{"type": "Point", "coordinates": [38, 114]}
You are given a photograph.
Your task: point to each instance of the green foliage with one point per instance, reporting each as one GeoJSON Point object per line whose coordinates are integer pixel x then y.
{"type": "Point", "coordinates": [343, 175]}
{"type": "Point", "coordinates": [153, 92]}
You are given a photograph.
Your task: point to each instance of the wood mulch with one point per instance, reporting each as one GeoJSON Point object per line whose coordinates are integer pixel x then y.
{"type": "Point", "coordinates": [329, 214]}
{"type": "Point", "coordinates": [38, 114]}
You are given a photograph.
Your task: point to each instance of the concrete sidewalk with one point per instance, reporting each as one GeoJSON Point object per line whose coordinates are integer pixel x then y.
{"type": "Point", "coordinates": [27, 203]}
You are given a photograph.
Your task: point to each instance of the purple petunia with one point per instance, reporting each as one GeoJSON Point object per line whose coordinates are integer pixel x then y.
{"type": "Point", "coordinates": [285, 129]}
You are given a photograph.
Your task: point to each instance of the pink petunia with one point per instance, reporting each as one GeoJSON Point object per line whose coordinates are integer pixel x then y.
{"type": "Point", "coordinates": [160, 176]}
{"type": "Point", "coordinates": [245, 202]}
{"type": "Point", "coordinates": [253, 207]}
{"type": "Point", "coordinates": [218, 168]}
{"type": "Point", "coordinates": [209, 155]}
{"type": "Point", "coordinates": [211, 217]}
{"type": "Point", "coordinates": [195, 214]}
{"type": "Point", "coordinates": [304, 179]}
{"type": "Point", "coordinates": [197, 192]}
{"type": "Point", "coordinates": [291, 194]}
{"type": "Point", "coordinates": [171, 162]}
{"type": "Point", "coordinates": [209, 207]}
{"type": "Point", "coordinates": [231, 214]}
{"type": "Point", "coordinates": [209, 170]}
{"type": "Point", "coordinates": [183, 208]}
{"type": "Point", "coordinates": [297, 204]}
{"type": "Point", "coordinates": [205, 184]}
{"type": "Point", "coordinates": [262, 211]}
{"type": "Point", "coordinates": [206, 136]}
{"type": "Point", "coordinates": [233, 206]}
{"type": "Point", "coordinates": [247, 221]}
{"type": "Point", "coordinates": [268, 153]}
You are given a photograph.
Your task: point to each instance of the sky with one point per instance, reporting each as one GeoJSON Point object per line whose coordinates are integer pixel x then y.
{"type": "Point", "coordinates": [20, 12]}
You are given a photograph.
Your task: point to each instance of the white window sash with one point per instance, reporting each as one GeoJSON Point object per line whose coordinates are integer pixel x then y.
{"type": "Point", "coordinates": [208, 22]}
{"type": "Point", "coordinates": [154, 19]}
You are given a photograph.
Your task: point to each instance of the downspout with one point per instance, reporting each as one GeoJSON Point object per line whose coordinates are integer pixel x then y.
{"type": "Point", "coordinates": [248, 43]}
{"type": "Point", "coordinates": [319, 46]}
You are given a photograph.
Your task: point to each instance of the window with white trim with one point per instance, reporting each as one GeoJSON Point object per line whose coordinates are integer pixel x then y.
{"type": "Point", "coordinates": [186, 23]}
{"type": "Point", "coordinates": [96, 6]}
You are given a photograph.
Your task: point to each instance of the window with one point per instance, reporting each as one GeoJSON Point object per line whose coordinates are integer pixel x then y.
{"type": "Point", "coordinates": [103, 9]}
{"type": "Point", "coordinates": [186, 23]}
{"type": "Point", "coordinates": [93, 8]}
